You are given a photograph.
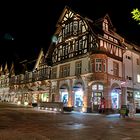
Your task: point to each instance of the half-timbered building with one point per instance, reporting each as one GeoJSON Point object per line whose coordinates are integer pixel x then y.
{"type": "Point", "coordinates": [86, 58]}
{"type": "Point", "coordinates": [86, 61]}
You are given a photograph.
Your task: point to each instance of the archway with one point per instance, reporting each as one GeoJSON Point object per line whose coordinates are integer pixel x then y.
{"type": "Point", "coordinates": [97, 94]}
{"type": "Point", "coordinates": [64, 94]}
{"type": "Point", "coordinates": [78, 95]}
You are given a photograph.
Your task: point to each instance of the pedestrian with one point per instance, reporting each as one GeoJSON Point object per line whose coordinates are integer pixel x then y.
{"type": "Point", "coordinates": [132, 109]}
{"type": "Point", "coordinates": [102, 105]}
{"type": "Point", "coordinates": [127, 110]}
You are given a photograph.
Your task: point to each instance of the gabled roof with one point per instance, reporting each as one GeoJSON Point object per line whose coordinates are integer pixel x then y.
{"type": "Point", "coordinates": [41, 54]}
{"type": "Point", "coordinates": [100, 20]}
{"type": "Point", "coordinates": [26, 64]}
{"type": "Point", "coordinates": [6, 71]}
{"type": "Point", "coordinates": [95, 24]}
{"type": "Point", "coordinates": [12, 71]}
{"type": "Point", "coordinates": [65, 10]}
{"type": "Point", "coordinates": [62, 16]}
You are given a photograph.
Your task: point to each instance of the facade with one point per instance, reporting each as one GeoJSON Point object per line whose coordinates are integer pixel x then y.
{"type": "Point", "coordinates": [86, 61]}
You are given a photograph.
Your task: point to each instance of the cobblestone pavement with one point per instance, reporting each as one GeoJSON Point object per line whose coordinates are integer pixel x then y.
{"type": "Point", "coordinates": [20, 123]}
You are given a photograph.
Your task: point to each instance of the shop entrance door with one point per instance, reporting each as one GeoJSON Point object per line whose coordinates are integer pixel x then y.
{"type": "Point", "coordinates": [96, 101]}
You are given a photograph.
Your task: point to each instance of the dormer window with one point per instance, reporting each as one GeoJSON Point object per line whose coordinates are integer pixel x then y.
{"type": "Point", "coordinates": [105, 25]}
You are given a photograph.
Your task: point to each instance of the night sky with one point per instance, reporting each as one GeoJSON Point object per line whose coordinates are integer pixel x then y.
{"type": "Point", "coordinates": [26, 27]}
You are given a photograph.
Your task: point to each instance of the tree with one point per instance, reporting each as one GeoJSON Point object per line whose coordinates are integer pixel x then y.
{"type": "Point", "coordinates": [136, 14]}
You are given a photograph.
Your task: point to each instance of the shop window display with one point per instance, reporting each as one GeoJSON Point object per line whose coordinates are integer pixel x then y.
{"type": "Point", "coordinates": [78, 98]}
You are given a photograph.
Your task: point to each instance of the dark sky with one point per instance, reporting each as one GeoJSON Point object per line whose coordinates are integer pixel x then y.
{"type": "Point", "coordinates": [32, 24]}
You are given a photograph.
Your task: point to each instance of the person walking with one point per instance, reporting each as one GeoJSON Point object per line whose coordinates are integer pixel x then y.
{"type": "Point", "coordinates": [132, 109]}
{"type": "Point", "coordinates": [102, 105]}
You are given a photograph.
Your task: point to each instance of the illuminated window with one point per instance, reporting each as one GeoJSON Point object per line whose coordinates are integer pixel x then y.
{"type": "Point", "coordinates": [101, 43]}
{"type": "Point", "coordinates": [97, 93]}
{"type": "Point", "coordinates": [137, 94]}
{"type": "Point", "coordinates": [100, 87]}
{"type": "Point", "coordinates": [116, 41]}
{"type": "Point", "coordinates": [138, 78]}
{"type": "Point", "coordinates": [97, 98]}
{"type": "Point", "coordinates": [94, 87]}
{"type": "Point", "coordinates": [110, 38]}
{"type": "Point", "coordinates": [97, 87]}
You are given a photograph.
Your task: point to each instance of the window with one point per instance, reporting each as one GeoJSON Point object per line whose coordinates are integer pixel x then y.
{"type": "Point", "coordinates": [80, 44]}
{"type": "Point", "coordinates": [66, 29]}
{"type": "Point", "coordinates": [97, 93]}
{"type": "Point", "coordinates": [94, 87]}
{"type": "Point", "coordinates": [71, 28]}
{"type": "Point", "coordinates": [97, 98]}
{"type": "Point", "coordinates": [105, 25]}
{"type": "Point", "coordinates": [106, 36]}
{"type": "Point", "coordinates": [116, 41]}
{"type": "Point", "coordinates": [138, 61]}
{"type": "Point", "coordinates": [101, 43]}
{"type": "Point", "coordinates": [138, 78]}
{"type": "Point", "coordinates": [128, 57]}
{"type": "Point", "coordinates": [54, 73]}
{"type": "Point", "coordinates": [104, 65]}
{"type": "Point", "coordinates": [100, 87]}
{"type": "Point", "coordinates": [97, 87]}
{"type": "Point", "coordinates": [64, 71]}
{"type": "Point", "coordinates": [80, 26]}
{"type": "Point", "coordinates": [76, 45]}
{"type": "Point", "coordinates": [110, 38]}
{"type": "Point", "coordinates": [100, 65]}
{"type": "Point", "coordinates": [78, 67]}
{"type": "Point", "coordinates": [128, 78]}
{"type": "Point", "coordinates": [129, 95]}
{"type": "Point", "coordinates": [75, 27]}
{"type": "Point", "coordinates": [115, 69]}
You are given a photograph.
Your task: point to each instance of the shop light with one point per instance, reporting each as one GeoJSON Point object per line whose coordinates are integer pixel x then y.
{"type": "Point", "coordinates": [25, 103]}
{"type": "Point", "coordinates": [19, 102]}
{"type": "Point", "coordinates": [83, 109]}
{"type": "Point", "coordinates": [55, 109]}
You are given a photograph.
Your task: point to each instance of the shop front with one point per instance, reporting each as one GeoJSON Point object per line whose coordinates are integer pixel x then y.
{"type": "Point", "coordinates": [97, 94]}
{"type": "Point", "coordinates": [78, 97]}
{"type": "Point", "coordinates": [116, 99]}
{"type": "Point", "coordinates": [137, 100]}
{"type": "Point", "coordinates": [64, 97]}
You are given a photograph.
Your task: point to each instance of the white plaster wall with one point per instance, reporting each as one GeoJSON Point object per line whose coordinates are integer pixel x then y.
{"type": "Point", "coordinates": [110, 66]}
{"type": "Point", "coordinates": [128, 64]}
{"type": "Point", "coordinates": [85, 67]}
{"type": "Point", "coordinates": [131, 68]}
{"type": "Point", "coordinates": [127, 68]}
